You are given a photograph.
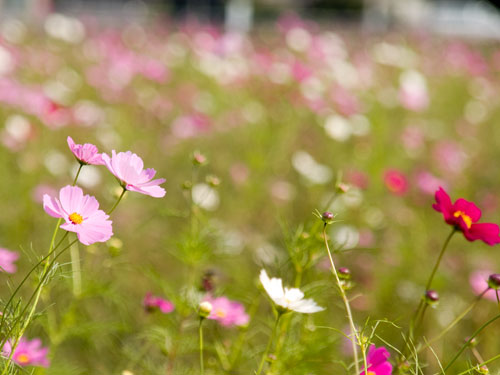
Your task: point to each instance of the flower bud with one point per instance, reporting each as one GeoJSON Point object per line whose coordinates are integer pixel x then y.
{"type": "Point", "coordinates": [205, 308]}
{"type": "Point", "coordinates": [431, 297]}
{"type": "Point", "coordinates": [199, 158]}
{"type": "Point", "coordinates": [494, 281]}
{"type": "Point", "coordinates": [344, 273]}
{"type": "Point", "coordinates": [187, 185]}
{"type": "Point", "coordinates": [483, 370]}
{"type": "Point", "coordinates": [327, 217]}
{"type": "Point", "coordinates": [212, 180]}
{"type": "Point", "coordinates": [472, 343]}
{"type": "Point", "coordinates": [342, 188]}
{"type": "Point", "coordinates": [114, 246]}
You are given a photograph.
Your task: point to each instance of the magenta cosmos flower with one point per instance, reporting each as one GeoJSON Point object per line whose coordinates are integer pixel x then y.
{"type": "Point", "coordinates": [7, 259]}
{"type": "Point", "coordinates": [463, 215]}
{"type": "Point", "coordinates": [129, 169]}
{"type": "Point", "coordinates": [377, 361]}
{"type": "Point", "coordinates": [86, 153]}
{"type": "Point", "coordinates": [81, 215]}
{"type": "Point", "coordinates": [27, 353]}
{"type": "Point", "coordinates": [226, 312]}
{"type": "Point", "coordinates": [151, 303]}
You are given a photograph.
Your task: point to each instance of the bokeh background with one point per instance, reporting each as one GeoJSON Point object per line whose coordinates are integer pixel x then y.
{"type": "Point", "coordinates": [284, 99]}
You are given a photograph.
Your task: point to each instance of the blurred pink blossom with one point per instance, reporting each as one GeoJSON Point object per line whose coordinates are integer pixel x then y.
{"type": "Point", "coordinates": [27, 353]}
{"type": "Point", "coordinates": [396, 182]}
{"type": "Point", "coordinates": [152, 303]}
{"type": "Point", "coordinates": [478, 280]}
{"type": "Point", "coordinates": [226, 312]}
{"type": "Point", "coordinates": [7, 259]}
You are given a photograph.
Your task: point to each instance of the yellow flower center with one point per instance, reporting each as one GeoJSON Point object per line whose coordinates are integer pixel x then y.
{"type": "Point", "coordinates": [76, 218]}
{"type": "Point", "coordinates": [466, 218]}
{"type": "Point", "coordinates": [23, 358]}
{"type": "Point", "coordinates": [220, 313]}
{"type": "Point", "coordinates": [370, 373]}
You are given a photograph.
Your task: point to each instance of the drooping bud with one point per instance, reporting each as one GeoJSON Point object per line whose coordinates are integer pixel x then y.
{"type": "Point", "coordinates": [494, 281]}
{"type": "Point", "coordinates": [327, 217]}
{"type": "Point", "coordinates": [431, 297]}
{"type": "Point", "coordinates": [204, 310]}
{"type": "Point", "coordinates": [207, 282]}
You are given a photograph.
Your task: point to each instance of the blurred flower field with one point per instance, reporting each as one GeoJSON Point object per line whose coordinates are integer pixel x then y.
{"type": "Point", "coordinates": [289, 153]}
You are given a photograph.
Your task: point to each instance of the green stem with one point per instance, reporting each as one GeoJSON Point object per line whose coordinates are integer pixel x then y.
{"type": "Point", "coordinates": [418, 315]}
{"type": "Point", "coordinates": [492, 359]}
{"type": "Point", "coordinates": [354, 333]}
{"type": "Point", "coordinates": [436, 266]}
{"type": "Point", "coordinates": [76, 271]}
{"type": "Point", "coordinates": [117, 201]}
{"type": "Point", "coordinates": [271, 339]}
{"type": "Point", "coordinates": [455, 321]}
{"type": "Point", "coordinates": [36, 296]}
{"type": "Point", "coordinates": [77, 174]}
{"type": "Point", "coordinates": [470, 339]}
{"type": "Point", "coordinates": [200, 330]}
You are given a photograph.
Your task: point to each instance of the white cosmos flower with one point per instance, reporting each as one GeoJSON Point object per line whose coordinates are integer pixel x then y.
{"type": "Point", "coordinates": [290, 299]}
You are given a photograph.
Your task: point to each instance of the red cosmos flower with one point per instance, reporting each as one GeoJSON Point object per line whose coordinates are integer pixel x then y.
{"type": "Point", "coordinates": [463, 215]}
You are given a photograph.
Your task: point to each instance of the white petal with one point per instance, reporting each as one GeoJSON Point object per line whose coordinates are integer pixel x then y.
{"type": "Point", "coordinates": [273, 287]}
{"type": "Point", "coordinates": [293, 295]}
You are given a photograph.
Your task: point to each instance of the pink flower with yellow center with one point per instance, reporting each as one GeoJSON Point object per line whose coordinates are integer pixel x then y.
{"type": "Point", "coordinates": [377, 361]}
{"type": "Point", "coordinates": [463, 215]}
{"type": "Point", "coordinates": [27, 353]}
{"type": "Point", "coordinates": [226, 312]}
{"type": "Point", "coordinates": [86, 153]}
{"type": "Point", "coordinates": [81, 215]}
{"type": "Point", "coordinates": [129, 169]}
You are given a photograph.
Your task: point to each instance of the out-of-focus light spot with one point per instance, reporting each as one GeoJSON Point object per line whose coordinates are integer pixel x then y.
{"type": "Point", "coordinates": [338, 128]}
{"type": "Point", "coordinates": [308, 168]}
{"type": "Point", "coordinates": [345, 236]}
{"type": "Point", "coordinates": [475, 112]}
{"type": "Point", "coordinates": [298, 39]}
{"type": "Point", "coordinates": [205, 196]}
{"type": "Point", "coordinates": [393, 55]}
{"type": "Point", "coordinates": [89, 176]}
{"type": "Point", "coordinates": [56, 163]}
{"type": "Point", "coordinates": [14, 31]}
{"type": "Point", "coordinates": [64, 28]}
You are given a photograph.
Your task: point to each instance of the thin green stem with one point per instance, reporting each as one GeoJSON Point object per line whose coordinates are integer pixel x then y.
{"type": "Point", "coordinates": [436, 266]}
{"type": "Point", "coordinates": [498, 298]}
{"type": "Point", "coordinates": [36, 296]}
{"type": "Point", "coordinates": [78, 174]}
{"type": "Point", "coordinates": [76, 272]}
{"type": "Point", "coordinates": [200, 331]}
{"type": "Point", "coordinates": [470, 339]}
{"type": "Point", "coordinates": [117, 201]}
{"type": "Point", "coordinates": [354, 333]}
{"type": "Point", "coordinates": [492, 359]}
{"type": "Point", "coordinates": [455, 321]}
{"type": "Point", "coordinates": [271, 339]}
{"type": "Point", "coordinates": [418, 315]}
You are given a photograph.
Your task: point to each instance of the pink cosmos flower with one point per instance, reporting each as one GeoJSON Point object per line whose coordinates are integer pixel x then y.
{"type": "Point", "coordinates": [396, 182]}
{"type": "Point", "coordinates": [478, 280]}
{"type": "Point", "coordinates": [427, 183]}
{"type": "Point", "coordinates": [28, 353]}
{"type": "Point", "coordinates": [463, 215]}
{"type": "Point", "coordinates": [226, 312]}
{"type": "Point", "coordinates": [7, 259]}
{"type": "Point", "coordinates": [86, 153]}
{"type": "Point", "coordinates": [377, 361]}
{"type": "Point", "coordinates": [129, 169]}
{"type": "Point", "coordinates": [81, 214]}
{"type": "Point", "coordinates": [152, 303]}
